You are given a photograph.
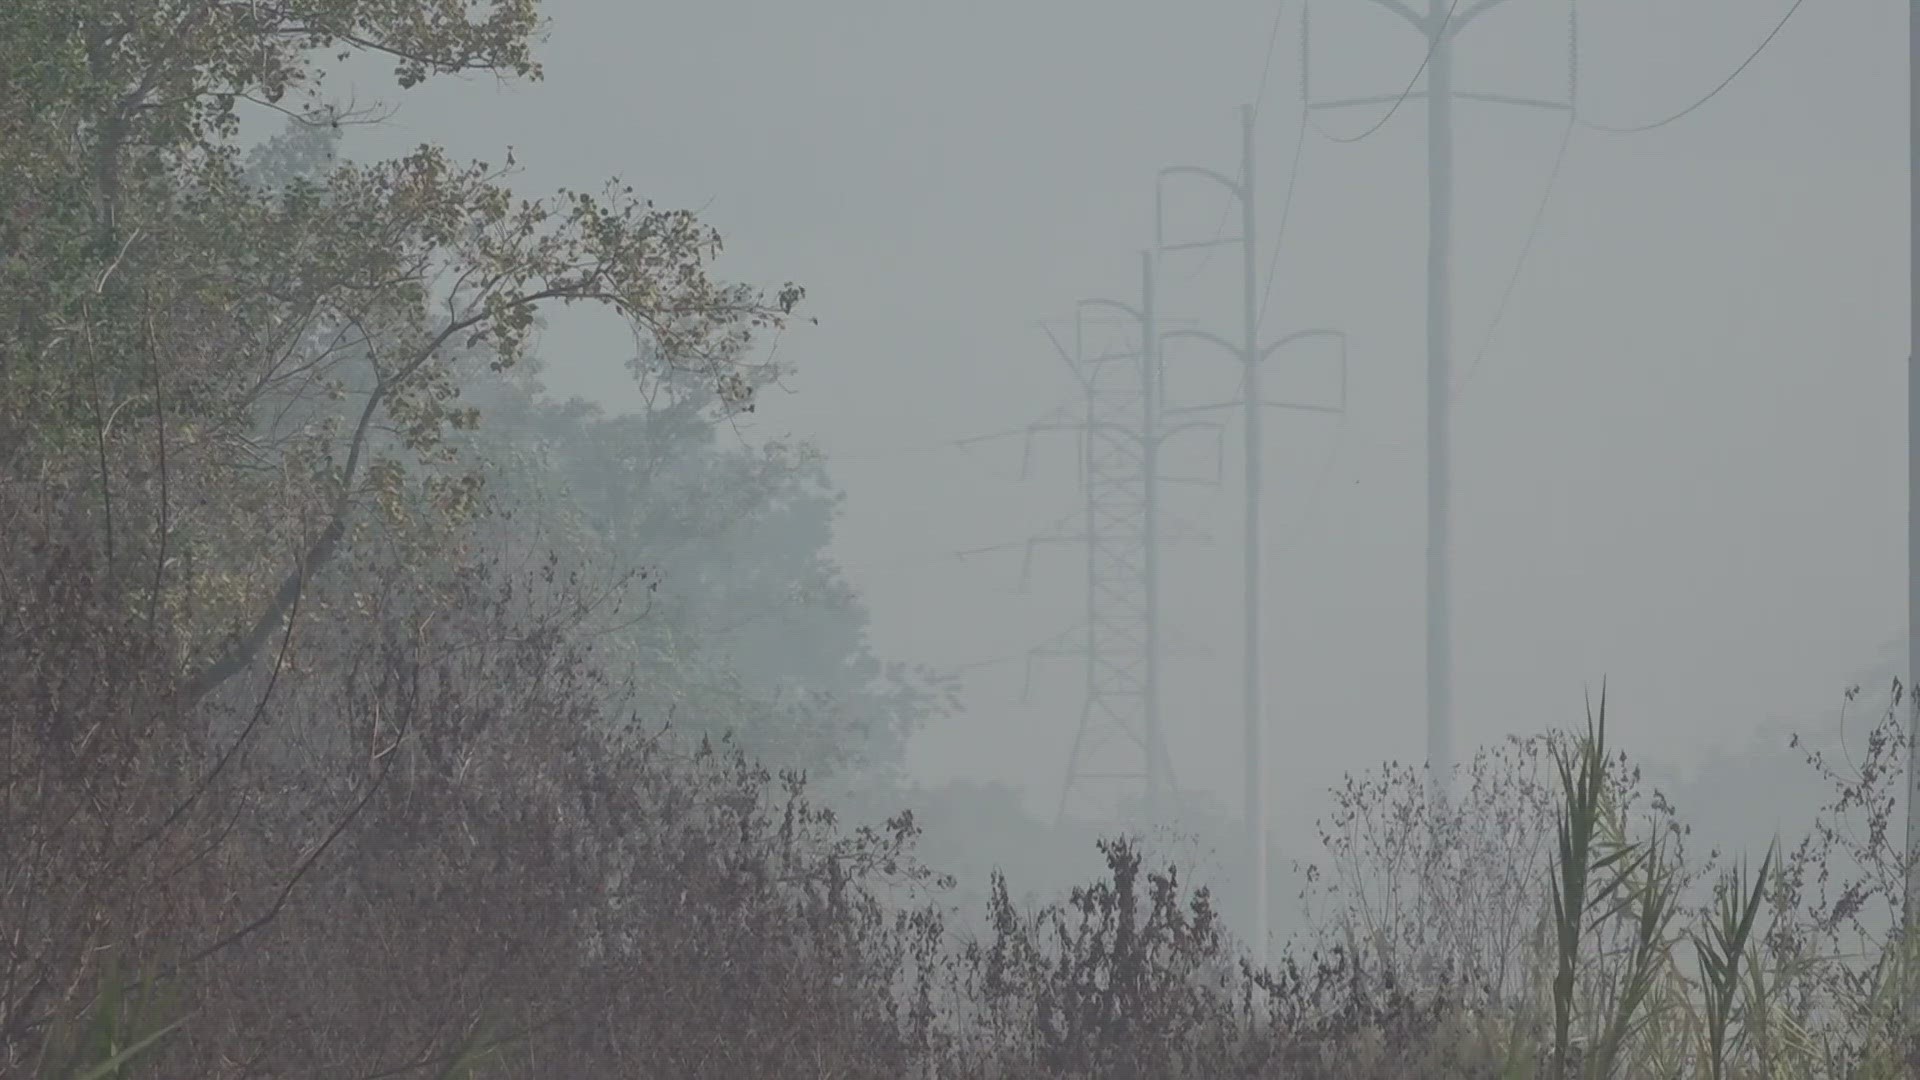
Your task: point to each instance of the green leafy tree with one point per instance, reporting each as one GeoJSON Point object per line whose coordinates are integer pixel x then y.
{"type": "Point", "coordinates": [749, 627]}
{"type": "Point", "coordinates": [234, 381]}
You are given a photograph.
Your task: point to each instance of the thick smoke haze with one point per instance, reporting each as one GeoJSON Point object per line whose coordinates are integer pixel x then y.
{"type": "Point", "coordinates": [634, 528]}
{"type": "Point", "coordinates": [1677, 456]}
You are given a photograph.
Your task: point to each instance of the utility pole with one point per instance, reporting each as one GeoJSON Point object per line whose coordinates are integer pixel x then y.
{"type": "Point", "coordinates": [1911, 907]}
{"type": "Point", "coordinates": [1150, 436]}
{"type": "Point", "coordinates": [1251, 403]}
{"type": "Point", "coordinates": [1252, 676]}
{"type": "Point", "coordinates": [1439, 397]}
{"type": "Point", "coordinates": [1440, 26]}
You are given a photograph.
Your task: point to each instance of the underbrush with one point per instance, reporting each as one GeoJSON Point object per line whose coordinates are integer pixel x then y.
{"type": "Point", "coordinates": [417, 848]}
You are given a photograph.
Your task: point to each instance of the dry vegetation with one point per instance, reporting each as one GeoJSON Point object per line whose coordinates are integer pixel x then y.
{"type": "Point", "coordinates": [426, 854]}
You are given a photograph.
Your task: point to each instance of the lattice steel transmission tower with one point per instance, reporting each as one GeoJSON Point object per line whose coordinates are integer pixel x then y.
{"type": "Point", "coordinates": [1120, 745]}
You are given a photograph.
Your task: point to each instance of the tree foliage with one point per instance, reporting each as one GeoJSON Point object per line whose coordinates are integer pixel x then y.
{"type": "Point", "coordinates": [190, 356]}
{"type": "Point", "coordinates": [749, 629]}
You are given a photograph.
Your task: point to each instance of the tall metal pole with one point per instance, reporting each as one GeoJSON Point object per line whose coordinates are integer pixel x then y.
{"type": "Point", "coordinates": [1124, 524]}
{"type": "Point", "coordinates": [1251, 403]}
{"type": "Point", "coordinates": [1150, 540]}
{"type": "Point", "coordinates": [1256, 763]}
{"type": "Point", "coordinates": [1439, 393]}
{"type": "Point", "coordinates": [1442, 21]}
{"type": "Point", "coordinates": [1910, 907]}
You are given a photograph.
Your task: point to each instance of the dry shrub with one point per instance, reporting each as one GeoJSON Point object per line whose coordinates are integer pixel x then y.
{"type": "Point", "coordinates": [415, 842]}
{"type": "Point", "coordinates": [1133, 976]}
{"type": "Point", "coordinates": [96, 751]}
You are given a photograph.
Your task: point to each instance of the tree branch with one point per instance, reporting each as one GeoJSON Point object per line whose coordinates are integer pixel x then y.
{"type": "Point", "coordinates": [327, 546]}
{"type": "Point", "coordinates": [160, 417]}
{"type": "Point", "coordinates": [220, 764]}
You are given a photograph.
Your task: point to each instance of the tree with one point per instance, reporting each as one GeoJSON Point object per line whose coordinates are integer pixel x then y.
{"type": "Point", "coordinates": [202, 365]}
{"type": "Point", "coordinates": [225, 394]}
{"type": "Point", "coordinates": [749, 627]}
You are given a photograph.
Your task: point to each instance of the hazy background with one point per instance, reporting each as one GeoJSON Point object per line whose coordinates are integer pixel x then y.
{"type": "Point", "coordinates": [1678, 463]}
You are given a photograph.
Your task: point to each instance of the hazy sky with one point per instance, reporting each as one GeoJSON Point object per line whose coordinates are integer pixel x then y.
{"type": "Point", "coordinates": [1679, 464]}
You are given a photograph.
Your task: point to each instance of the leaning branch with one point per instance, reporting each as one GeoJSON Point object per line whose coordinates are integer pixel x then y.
{"type": "Point", "coordinates": [327, 545]}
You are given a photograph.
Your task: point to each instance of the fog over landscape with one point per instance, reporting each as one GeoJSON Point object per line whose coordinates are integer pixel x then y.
{"type": "Point", "coordinates": [1677, 456]}
{"type": "Point", "coordinates": [857, 517]}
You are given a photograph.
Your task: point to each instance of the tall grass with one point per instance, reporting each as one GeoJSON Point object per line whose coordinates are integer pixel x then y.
{"type": "Point", "coordinates": [1628, 974]}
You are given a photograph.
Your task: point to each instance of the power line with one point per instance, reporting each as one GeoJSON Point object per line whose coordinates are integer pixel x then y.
{"type": "Point", "coordinates": [992, 661]}
{"type": "Point", "coordinates": [1433, 42]}
{"type": "Point", "coordinates": [1286, 215]}
{"type": "Point", "coordinates": [1560, 159]}
{"type": "Point", "coordinates": [1266, 65]}
{"type": "Point", "coordinates": [1260, 94]}
{"type": "Point", "coordinates": [1711, 94]}
{"type": "Point", "coordinates": [913, 448]}
{"type": "Point", "coordinates": [922, 562]}
{"type": "Point", "coordinates": [883, 453]}
{"type": "Point", "coordinates": [1318, 490]}
{"type": "Point", "coordinates": [1533, 232]}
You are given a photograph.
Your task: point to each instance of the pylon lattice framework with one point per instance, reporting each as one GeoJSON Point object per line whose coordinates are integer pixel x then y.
{"type": "Point", "coordinates": [1115, 740]}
